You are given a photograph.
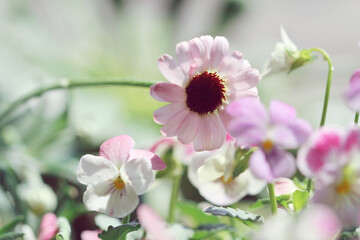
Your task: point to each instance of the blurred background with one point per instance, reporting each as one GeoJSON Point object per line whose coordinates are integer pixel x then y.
{"type": "Point", "coordinates": [42, 42]}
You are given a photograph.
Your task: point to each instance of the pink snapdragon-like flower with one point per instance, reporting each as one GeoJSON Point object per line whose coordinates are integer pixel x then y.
{"type": "Point", "coordinates": [205, 77]}
{"type": "Point", "coordinates": [48, 227]}
{"type": "Point", "coordinates": [315, 223]}
{"type": "Point", "coordinates": [116, 177]}
{"type": "Point", "coordinates": [272, 133]}
{"type": "Point", "coordinates": [336, 169]}
{"type": "Point", "coordinates": [352, 94]}
{"type": "Point", "coordinates": [212, 174]}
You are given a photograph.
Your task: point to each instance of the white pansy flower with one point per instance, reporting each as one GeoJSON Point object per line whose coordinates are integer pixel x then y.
{"type": "Point", "coordinates": [116, 177]}
{"type": "Point", "coordinates": [212, 174]}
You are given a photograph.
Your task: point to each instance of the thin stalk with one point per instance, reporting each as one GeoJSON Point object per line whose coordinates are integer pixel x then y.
{"type": "Point", "coordinates": [68, 84]}
{"type": "Point", "coordinates": [328, 82]}
{"type": "Point", "coordinates": [174, 194]}
{"type": "Point", "coordinates": [356, 120]}
{"type": "Point", "coordinates": [273, 202]}
{"type": "Point", "coordinates": [126, 219]}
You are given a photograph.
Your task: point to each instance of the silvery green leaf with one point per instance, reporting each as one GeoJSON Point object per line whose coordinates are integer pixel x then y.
{"type": "Point", "coordinates": [245, 217]}
{"type": "Point", "coordinates": [64, 229]}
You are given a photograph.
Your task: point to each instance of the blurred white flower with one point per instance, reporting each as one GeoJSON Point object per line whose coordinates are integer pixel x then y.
{"type": "Point", "coordinates": [39, 196]}
{"type": "Point", "coordinates": [212, 174]}
{"type": "Point", "coordinates": [283, 57]}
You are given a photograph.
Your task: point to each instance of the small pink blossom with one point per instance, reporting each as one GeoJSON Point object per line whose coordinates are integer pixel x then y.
{"type": "Point", "coordinates": [352, 94]}
{"type": "Point", "coordinates": [205, 77]}
{"type": "Point", "coordinates": [284, 186]}
{"type": "Point", "coordinates": [336, 169]}
{"type": "Point", "coordinates": [116, 177]}
{"type": "Point", "coordinates": [48, 227]}
{"type": "Point", "coordinates": [272, 132]}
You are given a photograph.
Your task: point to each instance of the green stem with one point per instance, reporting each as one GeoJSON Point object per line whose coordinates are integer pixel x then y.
{"type": "Point", "coordinates": [356, 120]}
{"type": "Point", "coordinates": [273, 202]}
{"type": "Point", "coordinates": [328, 83]}
{"type": "Point", "coordinates": [309, 185]}
{"type": "Point", "coordinates": [68, 84]}
{"type": "Point", "coordinates": [126, 219]}
{"type": "Point", "coordinates": [174, 194]}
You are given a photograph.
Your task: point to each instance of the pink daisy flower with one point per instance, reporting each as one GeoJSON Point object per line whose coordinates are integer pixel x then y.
{"type": "Point", "coordinates": [205, 78]}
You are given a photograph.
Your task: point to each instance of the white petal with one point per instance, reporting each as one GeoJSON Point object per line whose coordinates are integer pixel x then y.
{"type": "Point", "coordinates": [94, 170]}
{"type": "Point", "coordinates": [213, 168]}
{"type": "Point", "coordinates": [96, 197]}
{"type": "Point", "coordinates": [122, 203]}
{"type": "Point", "coordinates": [138, 172]}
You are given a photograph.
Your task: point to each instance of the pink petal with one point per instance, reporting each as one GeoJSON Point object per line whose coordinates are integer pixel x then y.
{"type": "Point", "coordinates": [281, 113]}
{"type": "Point", "coordinates": [251, 93]}
{"type": "Point", "coordinates": [90, 235]}
{"type": "Point", "coordinates": [200, 53]}
{"type": "Point", "coordinates": [232, 64]}
{"type": "Point", "coordinates": [219, 50]}
{"type": "Point", "coordinates": [152, 223]}
{"type": "Point", "coordinates": [156, 162]}
{"type": "Point", "coordinates": [282, 163]}
{"type": "Point", "coordinates": [161, 143]}
{"type": "Point", "coordinates": [164, 114]}
{"type": "Point", "coordinates": [211, 133]}
{"type": "Point", "coordinates": [171, 128]}
{"type": "Point", "coordinates": [244, 80]}
{"type": "Point", "coordinates": [189, 128]}
{"type": "Point", "coordinates": [248, 108]}
{"type": "Point", "coordinates": [117, 149]}
{"type": "Point", "coordinates": [183, 56]}
{"type": "Point", "coordinates": [171, 70]}
{"type": "Point", "coordinates": [48, 227]}
{"type": "Point", "coordinates": [284, 186]}
{"type": "Point", "coordinates": [247, 132]}
{"type": "Point", "coordinates": [168, 92]}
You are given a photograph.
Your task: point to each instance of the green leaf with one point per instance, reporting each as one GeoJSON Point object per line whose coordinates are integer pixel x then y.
{"type": "Point", "coordinates": [350, 233]}
{"type": "Point", "coordinates": [242, 157]}
{"type": "Point", "coordinates": [245, 217]}
{"type": "Point", "coordinates": [11, 225]}
{"type": "Point", "coordinates": [171, 164]}
{"type": "Point", "coordinates": [197, 216]}
{"type": "Point", "coordinates": [64, 229]}
{"type": "Point", "coordinates": [260, 203]}
{"type": "Point", "coordinates": [208, 231]}
{"type": "Point", "coordinates": [300, 199]}
{"type": "Point", "coordinates": [12, 236]}
{"type": "Point", "coordinates": [118, 233]}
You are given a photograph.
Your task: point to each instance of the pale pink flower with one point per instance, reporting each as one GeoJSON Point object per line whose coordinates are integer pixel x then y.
{"type": "Point", "coordinates": [48, 227]}
{"type": "Point", "coordinates": [212, 174]}
{"type": "Point", "coordinates": [332, 158]}
{"type": "Point", "coordinates": [315, 223]}
{"type": "Point", "coordinates": [181, 152]}
{"type": "Point", "coordinates": [272, 132]}
{"type": "Point", "coordinates": [352, 94]}
{"type": "Point", "coordinates": [284, 186]}
{"type": "Point", "coordinates": [205, 77]}
{"type": "Point", "coordinates": [116, 177]}
{"type": "Point", "coordinates": [90, 235]}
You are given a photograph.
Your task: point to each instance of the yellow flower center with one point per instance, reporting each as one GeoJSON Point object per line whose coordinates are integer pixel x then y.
{"type": "Point", "coordinates": [267, 145]}
{"type": "Point", "coordinates": [344, 187]}
{"type": "Point", "coordinates": [229, 180]}
{"type": "Point", "coordinates": [119, 183]}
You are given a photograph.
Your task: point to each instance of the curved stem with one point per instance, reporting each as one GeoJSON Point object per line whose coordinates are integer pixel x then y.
{"type": "Point", "coordinates": [328, 83]}
{"type": "Point", "coordinates": [68, 84]}
{"type": "Point", "coordinates": [175, 194]}
{"type": "Point", "coordinates": [273, 202]}
{"type": "Point", "coordinates": [356, 120]}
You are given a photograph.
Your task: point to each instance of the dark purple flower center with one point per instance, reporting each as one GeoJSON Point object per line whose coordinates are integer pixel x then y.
{"type": "Point", "coordinates": [205, 93]}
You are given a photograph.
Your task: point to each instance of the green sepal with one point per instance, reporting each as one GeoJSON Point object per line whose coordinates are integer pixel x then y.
{"type": "Point", "coordinates": [304, 58]}
{"type": "Point", "coordinates": [241, 163]}
{"type": "Point", "coordinates": [118, 233]}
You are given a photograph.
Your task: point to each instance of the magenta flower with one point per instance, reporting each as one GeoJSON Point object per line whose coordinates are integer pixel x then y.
{"type": "Point", "coordinates": [352, 94]}
{"type": "Point", "coordinates": [272, 133]}
{"type": "Point", "coordinates": [116, 177]}
{"type": "Point", "coordinates": [332, 157]}
{"type": "Point", "coordinates": [205, 77]}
